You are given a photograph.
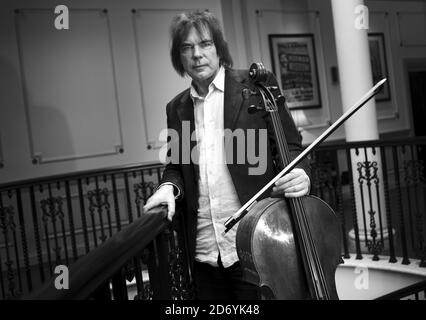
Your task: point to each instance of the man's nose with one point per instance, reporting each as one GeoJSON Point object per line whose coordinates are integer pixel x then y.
{"type": "Point", "coordinates": [197, 52]}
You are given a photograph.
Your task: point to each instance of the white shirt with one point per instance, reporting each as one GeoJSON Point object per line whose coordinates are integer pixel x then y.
{"type": "Point", "coordinates": [218, 199]}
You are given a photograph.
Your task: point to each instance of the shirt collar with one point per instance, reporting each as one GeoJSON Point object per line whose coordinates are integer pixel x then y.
{"type": "Point", "coordinates": [218, 83]}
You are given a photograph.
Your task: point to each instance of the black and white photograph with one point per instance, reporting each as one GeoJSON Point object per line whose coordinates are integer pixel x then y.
{"type": "Point", "coordinates": [203, 157]}
{"type": "Point", "coordinates": [376, 44]}
{"type": "Point", "coordinates": [294, 64]}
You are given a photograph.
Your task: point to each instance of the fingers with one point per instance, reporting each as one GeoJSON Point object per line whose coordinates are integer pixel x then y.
{"type": "Point", "coordinates": [163, 196]}
{"type": "Point", "coordinates": [171, 209]}
{"type": "Point", "coordinates": [293, 174]}
{"type": "Point", "coordinates": [150, 204]}
{"type": "Point", "coordinates": [294, 184]}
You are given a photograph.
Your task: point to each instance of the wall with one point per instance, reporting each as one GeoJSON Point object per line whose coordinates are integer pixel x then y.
{"type": "Point", "coordinates": [88, 97]}
{"type": "Point", "coordinates": [401, 22]}
{"type": "Point", "coordinates": [94, 96]}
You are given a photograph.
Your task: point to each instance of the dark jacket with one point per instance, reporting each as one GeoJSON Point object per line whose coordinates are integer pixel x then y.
{"type": "Point", "coordinates": [185, 175]}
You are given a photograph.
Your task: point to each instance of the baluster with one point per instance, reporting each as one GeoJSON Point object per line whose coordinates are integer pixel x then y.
{"type": "Point", "coordinates": [99, 205]}
{"type": "Point", "coordinates": [422, 179]}
{"type": "Point", "coordinates": [416, 179]}
{"type": "Point", "coordinates": [53, 214]}
{"type": "Point", "coordinates": [147, 257]}
{"type": "Point", "coordinates": [138, 277]}
{"type": "Point", "coordinates": [83, 215]}
{"type": "Point", "coordinates": [116, 205]}
{"type": "Point", "coordinates": [352, 194]}
{"type": "Point", "coordinates": [392, 258]}
{"type": "Point", "coordinates": [361, 189]}
{"type": "Point", "coordinates": [339, 196]}
{"type": "Point", "coordinates": [119, 287]}
{"type": "Point", "coordinates": [144, 195]}
{"type": "Point", "coordinates": [107, 205]}
{"type": "Point", "coordinates": [377, 245]}
{"type": "Point", "coordinates": [44, 218]}
{"type": "Point", "coordinates": [128, 200]}
{"type": "Point", "coordinates": [405, 259]}
{"type": "Point", "coordinates": [23, 243]}
{"type": "Point", "coordinates": [61, 216]}
{"type": "Point", "coordinates": [91, 195]}
{"type": "Point", "coordinates": [407, 181]}
{"type": "Point", "coordinates": [2, 212]}
{"type": "Point", "coordinates": [379, 203]}
{"type": "Point", "coordinates": [71, 220]}
{"type": "Point", "coordinates": [6, 222]}
{"type": "Point", "coordinates": [37, 233]}
{"type": "Point", "coordinates": [138, 188]}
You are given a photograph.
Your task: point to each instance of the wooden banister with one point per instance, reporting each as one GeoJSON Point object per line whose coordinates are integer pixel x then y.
{"type": "Point", "coordinates": [95, 268]}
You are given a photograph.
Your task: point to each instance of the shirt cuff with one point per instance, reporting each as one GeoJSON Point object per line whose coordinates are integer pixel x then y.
{"type": "Point", "coordinates": [176, 190]}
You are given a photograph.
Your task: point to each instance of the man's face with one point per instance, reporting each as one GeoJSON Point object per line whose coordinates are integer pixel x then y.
{"type": "Point", "coordinates": [199, 57]}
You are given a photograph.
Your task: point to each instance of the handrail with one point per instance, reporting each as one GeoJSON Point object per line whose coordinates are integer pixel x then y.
{"type": "Point", "coordinates": [404, 292]}
{"type": "Point", "coordinates": [100, 264]}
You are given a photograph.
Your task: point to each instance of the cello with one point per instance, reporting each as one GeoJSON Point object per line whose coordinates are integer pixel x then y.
{"type": "Point", "coordinates": [289, 247]}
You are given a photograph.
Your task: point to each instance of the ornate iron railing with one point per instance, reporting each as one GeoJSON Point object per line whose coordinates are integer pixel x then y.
{"type": "Point", "coordinates": [53, 221]}
{"type": "Point", "coordinates": [104, 272]}
{"type": "Point", "coordinates": [389, 178]}
{"type": "Point", "coordinates": [56, 220]}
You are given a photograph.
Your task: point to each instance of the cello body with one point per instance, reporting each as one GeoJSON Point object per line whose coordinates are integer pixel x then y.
{"type": "Point", "coordinates": [269, 250]}
{"type": "Point", "coordinates": [289, 247]}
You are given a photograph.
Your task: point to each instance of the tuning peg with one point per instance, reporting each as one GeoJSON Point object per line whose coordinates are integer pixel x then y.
{"type": "Point", "coordinates": [247, 93]}
{"type": "Point", "coordinates": [280, 99]}
{"type": "Point", "coordinates": [258, 72]}
{"type": "Point", "coordinates": [273, 88]}
{"type": "Point", "coordinates": [253, 109]}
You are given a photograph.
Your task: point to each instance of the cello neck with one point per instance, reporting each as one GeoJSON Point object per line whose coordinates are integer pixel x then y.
{"type": "Point", "coordinates": [314, 274]}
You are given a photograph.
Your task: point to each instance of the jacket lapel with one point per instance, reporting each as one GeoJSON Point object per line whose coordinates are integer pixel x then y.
{"type": "Point", "coordinates": [185, 111]}
{"type": "Point", "coordinates": [233, 101]}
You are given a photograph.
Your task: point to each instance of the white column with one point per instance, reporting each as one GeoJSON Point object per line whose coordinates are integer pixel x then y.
{"type": "Point", "coordinates": [355, 75]}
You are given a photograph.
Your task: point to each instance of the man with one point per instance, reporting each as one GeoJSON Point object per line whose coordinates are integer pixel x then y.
{"type": "Point", "coordinates": [212, 188]}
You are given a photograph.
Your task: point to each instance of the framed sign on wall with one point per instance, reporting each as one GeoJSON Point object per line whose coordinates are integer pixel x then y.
{"type": "Point", "coordinates": [294, 64]}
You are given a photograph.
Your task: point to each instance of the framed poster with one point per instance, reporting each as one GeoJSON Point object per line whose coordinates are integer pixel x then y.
{"type": "Point", "coordinates": [294, 64]}
{"type": "Point", "coordinates": [376, 43]}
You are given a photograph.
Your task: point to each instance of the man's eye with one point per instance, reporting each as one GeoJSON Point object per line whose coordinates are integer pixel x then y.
{"type": "Point", "coordinates": [186, 47]}
{"type": "Point", "coordinates": [206, 44]}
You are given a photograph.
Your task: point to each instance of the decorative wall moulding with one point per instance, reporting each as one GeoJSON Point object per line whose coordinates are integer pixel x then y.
{"type": "Point", "coordinates": [70, 98]}
{"type": "Point", "coordinates": [37, 158]}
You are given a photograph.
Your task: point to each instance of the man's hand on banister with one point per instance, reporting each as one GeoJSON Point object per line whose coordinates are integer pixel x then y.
{"type": "Point", "coordinates": [163, 196]}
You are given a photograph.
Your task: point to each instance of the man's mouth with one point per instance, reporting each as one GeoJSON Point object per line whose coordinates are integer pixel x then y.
{"type": "Point", "coordinates": [199, 66]}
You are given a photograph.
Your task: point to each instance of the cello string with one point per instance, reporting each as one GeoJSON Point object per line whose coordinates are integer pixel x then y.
{"type": "Point", "coordinates": [312, 259]}
{"type": "Point", "coordinates": [309, 254]}
{"type": "Point", "coordinates": [308, 247]}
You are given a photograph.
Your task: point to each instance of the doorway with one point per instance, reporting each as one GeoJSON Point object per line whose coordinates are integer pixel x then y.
{"type": "Point", "coordinates": [417, 81]}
